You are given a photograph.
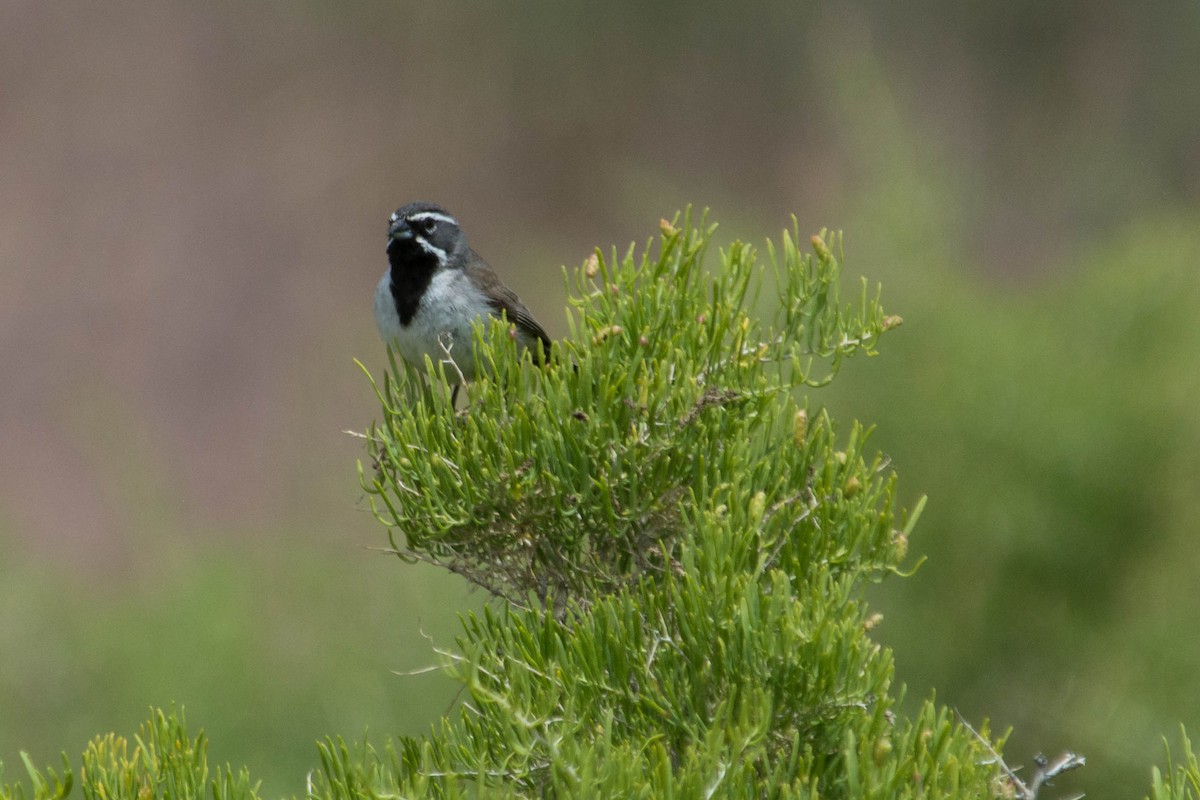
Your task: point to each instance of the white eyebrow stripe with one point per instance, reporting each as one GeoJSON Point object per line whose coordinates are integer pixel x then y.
{"type": "Point", "coordinates": [433, 215]}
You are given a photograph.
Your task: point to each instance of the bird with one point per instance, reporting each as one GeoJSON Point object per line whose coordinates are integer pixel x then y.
{"type": "Point", "coordinates": [434, 289]}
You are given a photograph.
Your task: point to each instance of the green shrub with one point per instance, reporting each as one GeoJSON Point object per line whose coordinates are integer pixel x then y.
{"type": "Point", "coordinates": [678, 547]}
{"type": "Point", "coordinates": [681, 546]}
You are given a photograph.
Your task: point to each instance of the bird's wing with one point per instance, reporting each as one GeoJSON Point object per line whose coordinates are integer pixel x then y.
{"type": "Point", "coordinates": [503, 299]}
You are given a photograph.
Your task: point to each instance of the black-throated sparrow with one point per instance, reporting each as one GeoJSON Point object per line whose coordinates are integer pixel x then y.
{"type": "Point", "coordinates": [436, 286]}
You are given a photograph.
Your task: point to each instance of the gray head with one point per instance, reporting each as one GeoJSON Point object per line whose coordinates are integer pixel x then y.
{"type": "Point", "coordinates": [425, 237]}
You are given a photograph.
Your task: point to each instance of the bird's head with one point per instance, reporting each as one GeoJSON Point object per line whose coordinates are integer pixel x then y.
{"type": "Point", "coordinates": [425, 234]}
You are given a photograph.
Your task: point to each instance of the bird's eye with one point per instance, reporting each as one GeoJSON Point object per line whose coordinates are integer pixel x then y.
{"type": "Point", "coordinates": [429, 225]}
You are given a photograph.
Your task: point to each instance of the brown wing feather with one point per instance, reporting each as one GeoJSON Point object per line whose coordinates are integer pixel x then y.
{"type": "Point", "coordinates": [503, 299]}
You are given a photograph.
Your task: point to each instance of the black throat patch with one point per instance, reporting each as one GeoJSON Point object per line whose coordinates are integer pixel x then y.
{"type": "Point", "coordinates": [412, 270]}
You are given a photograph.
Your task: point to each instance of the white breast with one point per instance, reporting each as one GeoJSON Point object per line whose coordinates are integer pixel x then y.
{"type": "Point", "coordinates": [447, 309]}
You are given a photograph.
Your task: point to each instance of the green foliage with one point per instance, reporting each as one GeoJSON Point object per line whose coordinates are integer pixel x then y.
{"type": "Point", "coordinates": [161, 762]}
{"type": "Point", "coordinates": [682, 550]}
{"type": "Point", "coordinates": [699, 543]}
{"type": "Point", "coordinates": [1058, 436]}
{"type": "Point", "coordinates": [236, 632]}
{"type": "Point", "coordinates": [565, 482]}
{"type": "Point", "coordinates": [1182, 781]}
{"type": "Point", "coordinates": [45, 784]}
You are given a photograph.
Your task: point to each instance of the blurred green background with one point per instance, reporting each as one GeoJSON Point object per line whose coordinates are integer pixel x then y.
{"type": "Point", "coordinates": [192, 209]}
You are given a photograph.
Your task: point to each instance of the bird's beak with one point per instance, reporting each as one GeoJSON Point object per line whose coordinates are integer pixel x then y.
{"type": "Point", "coordinates": [400, 231]}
